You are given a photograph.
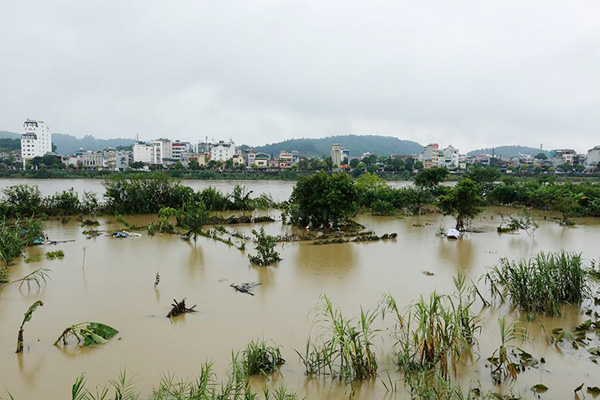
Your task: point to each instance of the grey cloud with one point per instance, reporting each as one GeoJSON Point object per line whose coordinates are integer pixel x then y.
{"type": "Point", "coordinates": [470, 73]}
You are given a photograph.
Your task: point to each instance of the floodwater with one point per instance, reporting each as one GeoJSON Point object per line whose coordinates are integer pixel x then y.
{"type": "Point", "coordinates": [111, 281]}
{"type": "Point", "coordinates": [279, 190]}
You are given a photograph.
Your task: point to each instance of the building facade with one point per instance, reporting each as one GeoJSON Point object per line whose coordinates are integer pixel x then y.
{"type": "Point", "coordinates": [222, 151]}
{"type": "Point", "coordinates": [336, 155]}
{"type": "Point", "coordinates": [432, 156]}
{"type": "Point", "coordinates": [593, 157]}
{"type": "Point", "coordinates": [451, 157]}
{"type": "Point", "coordinates": [36, 140]}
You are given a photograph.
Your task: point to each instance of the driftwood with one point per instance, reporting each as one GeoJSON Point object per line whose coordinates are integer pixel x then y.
{"type": "Point", "coordinates": [179, 308]}
{"type": "Point", "coordinates": [245, 287]}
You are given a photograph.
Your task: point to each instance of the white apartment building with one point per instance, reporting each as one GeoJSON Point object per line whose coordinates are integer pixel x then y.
{"type": "Point", "coordinates": [451, 157]}
{"type": "Point", "coordinates": [162, 149]}
{"type": "Point", "coordinates": [222, 151]}
{"type": "Point", "coordinates": [593, 157]}
{"type": "Point", "coordinates": [143, 153]}
{"type": "Point", "coordinates": [36, 140]}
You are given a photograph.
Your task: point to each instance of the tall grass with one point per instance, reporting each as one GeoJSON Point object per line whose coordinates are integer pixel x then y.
{"type": "Point", "coordinates": [435, 333]}
{"type": "Point", "coordinates": [260, 358]}
{"type": "Point", "coordinates": [344, 347]}
{"type": "Point", "coordinates": [541, 284]}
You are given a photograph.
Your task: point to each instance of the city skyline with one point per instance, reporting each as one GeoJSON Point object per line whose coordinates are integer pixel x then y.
{"type": "Point", "coordinates": [474, 74]}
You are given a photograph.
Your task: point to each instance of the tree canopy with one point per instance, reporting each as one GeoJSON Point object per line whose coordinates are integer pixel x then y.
{"type": "Point", "coordinates": [321, 200]}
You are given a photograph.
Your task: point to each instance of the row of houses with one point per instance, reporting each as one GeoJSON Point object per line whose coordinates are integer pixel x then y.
{"type": "Point", "coordinates": [166, 152]}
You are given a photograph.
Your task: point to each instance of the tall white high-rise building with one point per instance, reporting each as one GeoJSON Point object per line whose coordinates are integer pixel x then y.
{"type": "Point", "coordinates": [336, 155]}
{"type": "Point", "coordinates": [36, 140]}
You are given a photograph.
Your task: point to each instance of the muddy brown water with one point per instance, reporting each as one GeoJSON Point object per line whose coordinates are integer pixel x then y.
{"type": "Point", "coordinates": [279, 190]}
{"type": "Point", "coordinates": [114, 285]}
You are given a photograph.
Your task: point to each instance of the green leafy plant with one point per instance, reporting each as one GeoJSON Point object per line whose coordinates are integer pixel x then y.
{"type": "Point", "coordinates": [38, 277]}
{"type": "Point", "coordinates": [87, 334]}
{"type": "Point", "coordinates": [265, 247]}
{"type": "Point", "coordinates": [345, 347]}
{"type": "Point", "coordinates": [260, 358]}
{"type": "Point", "coordinates": [541, 284]}
{"type": "Point", "coordinates": [55, 254]}
{"type": "Point", "coordinates": [27, 318]}
{"type": "Point", "coordinates": [508, 360]}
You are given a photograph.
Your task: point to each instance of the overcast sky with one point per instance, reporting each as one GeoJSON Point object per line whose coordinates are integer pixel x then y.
{"type": "Point", "coordinates": [468, 73]}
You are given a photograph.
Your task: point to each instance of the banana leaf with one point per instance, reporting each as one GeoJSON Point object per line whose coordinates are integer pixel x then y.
{"type": "Point", "coordinates": [88, 334]}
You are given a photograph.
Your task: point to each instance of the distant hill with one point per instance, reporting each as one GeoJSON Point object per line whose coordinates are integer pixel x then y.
{"type": "Point", "coordinates": [380, 145]}
{"type": "Point", "coordinates": [509, 151]}
{"type": "Point", "coordinates": [9, 135]}
{"type": "Point", "coordinates": [68, 144]}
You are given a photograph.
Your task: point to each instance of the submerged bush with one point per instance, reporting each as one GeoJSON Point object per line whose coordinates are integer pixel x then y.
{"type": "Point", "coordinates": [259, 358]}
{"type": "Point", "coordinates": [265, 246]}
{"type": "Point", "coordinates": [541, 284]}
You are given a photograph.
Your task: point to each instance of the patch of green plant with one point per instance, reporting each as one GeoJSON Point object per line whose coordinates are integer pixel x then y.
{"type": "Point", "coordinates": [90, 222]}
{"type": "Point", "coordinates": [541, 284]}
{"type": "Point", "coordinates": [508, 360]}
{"type": "Point", "coordinates": [260, 358]}
{"type": "Point", "coordinates": [87, 334]}
{"type": "Point", "coordinates": [265, 247]}
{"type": "Point", "coordinates": [52, 255]}
{"type": "Point", "coordinates": [26, 318]}
{"type": "Point", "coordinates": [34, 258]}
{"type": "Point", "coordinates": [434, 334]}
{"type": "Point", "coordinates": [344, 348]}
{"type": "Point", "coordinates": [38, 277]}
{"type": "Point", "coordinates": [524, 222]}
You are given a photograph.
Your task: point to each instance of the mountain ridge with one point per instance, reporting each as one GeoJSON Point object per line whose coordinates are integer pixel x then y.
{"type": "Point", "coordinates": [356, 144]}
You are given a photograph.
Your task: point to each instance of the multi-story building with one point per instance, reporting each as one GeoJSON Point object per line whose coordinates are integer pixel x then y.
{"type": "Point", "coordinates": [178, 148]}
{"type": "Point", "coordinates": [261, 160]}
{"type": "Point", "coordinates": [285, 159]}
{"type": "Point", "coordinates": [432, 156]}
{"type": "Point", "coordinates": [222, 151]}
{"type": "Point", "coordinates": [91, 160]}
{"type": "Point", "coordinates": [593, 157]}
{"type": "Point", "coordinates": [143, 153]}
{"type": "Point", "coordinates": [336, 155]}
{"type": "Point", "coordinates": [116, 160]}
{"type": "Point", "coordinates": [162, 151]}
{"type": "Point", "coordinates": [564, 156]}
{"type": "Point", "coordinates": [250, 155]}
{"type": "Point", "coordinates": [36, 140]}
{"type": "Point", "coordinates": [451, 157]}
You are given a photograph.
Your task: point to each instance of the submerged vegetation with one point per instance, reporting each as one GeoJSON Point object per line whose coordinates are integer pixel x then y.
{"type": "Point", "coordinates": [542, 284]}
{"type": "Point", "coordinates": [26, 318]}
{"type": "Point", "coordinates": [260, 358]}
{"type": "Point", "coordinates": [88, 334]}
{"type": "Point", "coordinates": [207, 386]}
{"type": "Point", "coordinates": [435, 333]}
{"type": "Point", "coordinates": [265, 248]}
{"type": "Point", "coordinates": [344, 348]}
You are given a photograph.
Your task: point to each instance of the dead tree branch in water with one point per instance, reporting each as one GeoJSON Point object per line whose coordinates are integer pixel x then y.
{"type": "Point", "coordinates": [179, 308]}
{"type": "Point", "coordinates": [245, 287]}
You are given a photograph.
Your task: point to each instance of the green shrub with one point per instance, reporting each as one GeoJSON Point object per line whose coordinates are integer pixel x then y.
{"type": "Point", "coordinates": [259, 358]}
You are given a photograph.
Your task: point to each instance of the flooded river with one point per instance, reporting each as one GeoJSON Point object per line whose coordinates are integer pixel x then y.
{"type": "Point", "coordinates": [111, 281]}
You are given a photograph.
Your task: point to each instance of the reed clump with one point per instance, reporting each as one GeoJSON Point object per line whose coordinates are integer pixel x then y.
{"type": "Point", "coordinates": [260, 358]}
{"type": "Point", "coordinates": [540, 284]}
{"type": "Point", "coordinates": [433, 334]}
{"type": "Point", "coordinates": [344, 347]}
